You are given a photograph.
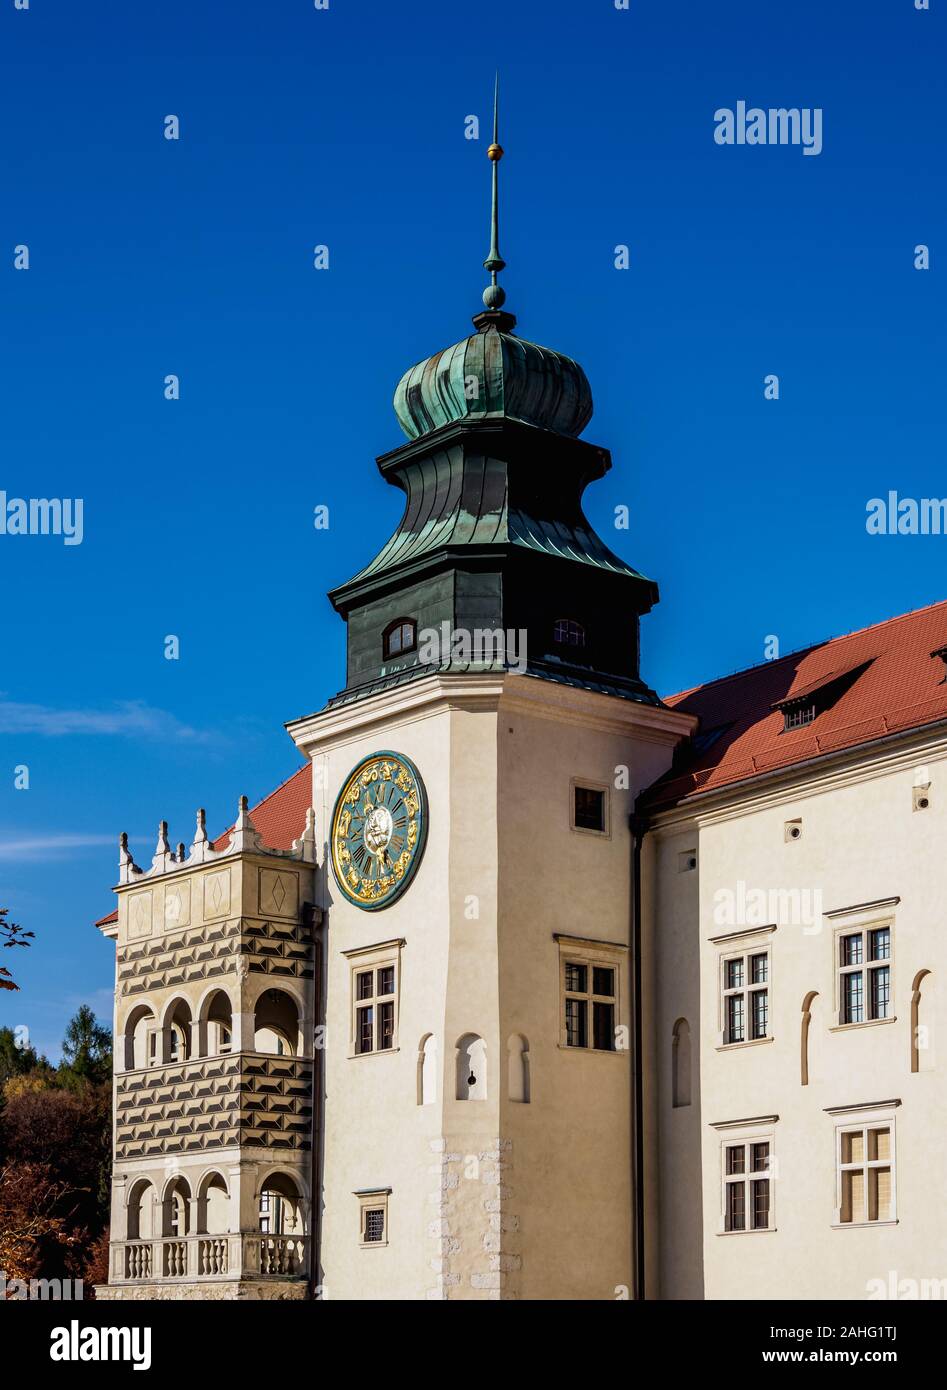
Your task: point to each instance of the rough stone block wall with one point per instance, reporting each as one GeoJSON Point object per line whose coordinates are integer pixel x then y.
{"type": "Point", "coordinates": [473, 1230]}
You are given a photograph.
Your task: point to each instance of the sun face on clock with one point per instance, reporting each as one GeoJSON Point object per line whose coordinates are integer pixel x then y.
{"type": "Point", "coordinates": [379, 825]}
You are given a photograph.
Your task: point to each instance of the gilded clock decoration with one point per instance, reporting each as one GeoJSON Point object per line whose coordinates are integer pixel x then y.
{"type": "Point", "coordinates": [379, 825]}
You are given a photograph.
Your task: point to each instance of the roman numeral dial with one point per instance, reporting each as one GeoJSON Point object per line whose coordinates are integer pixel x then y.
{"type": "Point", "coordinates": [378, 830]}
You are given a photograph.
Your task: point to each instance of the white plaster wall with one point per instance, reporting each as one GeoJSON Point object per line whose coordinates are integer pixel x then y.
{"type": "Point", "coordinates": [861, 842]}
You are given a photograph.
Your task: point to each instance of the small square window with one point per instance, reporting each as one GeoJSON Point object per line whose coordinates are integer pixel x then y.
{"type": "Point", "coordinates": [589, 810]}
{"type": "Point", "coordinates": [373, 1217]}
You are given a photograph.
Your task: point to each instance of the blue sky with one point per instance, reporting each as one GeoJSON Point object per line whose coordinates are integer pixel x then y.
{"type": "Point", "coordinates": [345, 127]}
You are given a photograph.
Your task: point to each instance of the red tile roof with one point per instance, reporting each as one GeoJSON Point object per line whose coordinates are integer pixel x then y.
{"type": "Point", "coordinates": [902, 687]}
{"type": "Point", "coordinates": [280, 818]}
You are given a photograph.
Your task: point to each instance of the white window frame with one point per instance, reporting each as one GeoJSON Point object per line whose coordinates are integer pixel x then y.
{"type": "Point", "coordinates": [863, 1124]}
{"type": "Point", "coordinates": [746, 1179]}
{"type": "Point", "coordinates": [746, 953]}
{"type": "Point", "coordinates": [760, 1129]}
{"type": "Point", "coordinates": [383, 955]}
{"type": "Point", "coordinates": [866, 968]}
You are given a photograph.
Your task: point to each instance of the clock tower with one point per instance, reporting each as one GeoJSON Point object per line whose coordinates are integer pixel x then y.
{"type": "Point", "coordinates": [476, 775]}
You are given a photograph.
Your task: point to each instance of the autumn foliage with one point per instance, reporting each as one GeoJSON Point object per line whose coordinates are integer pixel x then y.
{"type": "Point", "coordinates": [55, 1142]}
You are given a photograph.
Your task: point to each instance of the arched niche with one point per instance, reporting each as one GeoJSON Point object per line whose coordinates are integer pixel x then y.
{"type": "Point", "coordinates": [518, 1068]}
{"type": "Point", "coordinates": [471, 1067]}
{"type": "Point", "coordinates": [681, 1064]}
{"type": "Point", "coordinates": [804, 1030]}
{"type": "Point", "coordinates": [427, 1070]}
{"type": "Point", "coordinates": [922, 1054]}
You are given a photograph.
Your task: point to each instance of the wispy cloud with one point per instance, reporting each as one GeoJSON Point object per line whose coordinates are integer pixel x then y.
{"type": "Point", "coordinates": [38, 845]}
{"type": "Point", "coordinates": [126, 718]}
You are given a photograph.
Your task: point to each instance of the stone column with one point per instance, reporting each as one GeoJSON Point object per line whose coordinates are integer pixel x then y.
{"type": "Point", "coordinates": [244, 1028]}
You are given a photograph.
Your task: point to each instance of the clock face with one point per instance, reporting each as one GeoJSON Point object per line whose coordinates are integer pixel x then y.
{"type": "Point", "coordinates": [378, 830]}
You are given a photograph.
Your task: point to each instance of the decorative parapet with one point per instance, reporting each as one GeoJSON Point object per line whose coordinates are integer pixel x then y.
{"type": "Point", "coordinates": [243, 838]}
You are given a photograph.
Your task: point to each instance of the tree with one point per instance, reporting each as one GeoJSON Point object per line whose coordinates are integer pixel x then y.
{"type": "Point", "coordinates": [17, 1057]}
{"type": "Point", "coordinates": [86, 1049]}
{"type": "Point", "coordinates": [63, 1140]}
{"type": "Point", "coordinates": [14, 936]}
{"type": "Point", "coordinates": [34, 1220]}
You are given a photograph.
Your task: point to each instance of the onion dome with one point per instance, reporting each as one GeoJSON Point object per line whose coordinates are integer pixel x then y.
{"type": "Point", "coordinates": [493, 374]}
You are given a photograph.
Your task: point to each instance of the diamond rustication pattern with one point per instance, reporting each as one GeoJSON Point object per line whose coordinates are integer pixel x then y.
{"type": "Point", "coordinates": [208, 952]}
{"type": "Point", "coordinates": [249, 1098]}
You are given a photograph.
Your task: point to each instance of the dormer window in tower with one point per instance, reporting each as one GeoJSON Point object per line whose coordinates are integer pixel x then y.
{"type": "Point", "coordinates": [399, 638]}
{"type": "Point", "coordinates": [568, 633]}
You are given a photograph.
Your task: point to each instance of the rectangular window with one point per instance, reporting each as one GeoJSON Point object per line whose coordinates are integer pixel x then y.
{"type": "Point", "coordinates": [746, 997]}
{"type": "Point", "coordinates": [797, 717]}
{"type": "Point", "coordinates": [588, 811]}
{"type": "Point", "coordinates": [373, 1217]}
{"type": "Point", "coordinates": [866, 1174]}
{"type": "Point", "coordinates": [374, 1224]}
{"type": "Point", "coordinates": [746, 1186]}
{"type": "Point", "coordinates": [375, 998]}
{"type": "Point", "coordinates": [590, 994]}
{"type": "Point", "coordinates": [864, 975]}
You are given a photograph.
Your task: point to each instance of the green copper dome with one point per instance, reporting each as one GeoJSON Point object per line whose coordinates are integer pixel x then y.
{"type": "Point", "coordinates": [493, 374]}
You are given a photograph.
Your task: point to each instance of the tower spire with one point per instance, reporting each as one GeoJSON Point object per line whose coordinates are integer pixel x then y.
{"type": "Point", "coordinates": [494, 295]}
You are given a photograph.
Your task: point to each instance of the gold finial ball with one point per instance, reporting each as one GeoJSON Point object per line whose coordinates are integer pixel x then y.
{"type": "Point", "coordinates": [495, 152]}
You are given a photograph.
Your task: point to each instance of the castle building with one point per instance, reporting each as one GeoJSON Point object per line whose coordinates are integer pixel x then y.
{"type": "Point", "coordinates": [587, 989]}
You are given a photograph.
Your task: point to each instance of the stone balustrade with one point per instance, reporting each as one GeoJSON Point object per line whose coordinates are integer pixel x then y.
{"type": "Point", "coordinates": [254, 1254]}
